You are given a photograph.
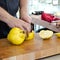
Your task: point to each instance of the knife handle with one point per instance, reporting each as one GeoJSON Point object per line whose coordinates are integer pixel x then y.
{"type": "Point", "coordinates": [32, 26]}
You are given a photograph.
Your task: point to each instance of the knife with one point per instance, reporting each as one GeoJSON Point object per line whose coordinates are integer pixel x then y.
{"type": "Point", "coordinates": [43, 23]}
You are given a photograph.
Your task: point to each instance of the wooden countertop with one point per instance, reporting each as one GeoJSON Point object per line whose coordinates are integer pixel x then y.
{"type": "Point", "coordinates": [29, 50]}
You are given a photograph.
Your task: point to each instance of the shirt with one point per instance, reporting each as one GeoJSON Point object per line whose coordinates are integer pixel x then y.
{"type": "Point", "coordinates": [11, 6]}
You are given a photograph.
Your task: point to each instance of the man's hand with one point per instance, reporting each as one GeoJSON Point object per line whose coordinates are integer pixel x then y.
{"type": "Point", "coordinates": [26, 18]}
{"type": "Point", "coordinates": [15, 22]}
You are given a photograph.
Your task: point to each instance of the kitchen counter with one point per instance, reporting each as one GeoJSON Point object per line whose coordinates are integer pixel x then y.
{"type": "Point", "coordinates": [29, 50]}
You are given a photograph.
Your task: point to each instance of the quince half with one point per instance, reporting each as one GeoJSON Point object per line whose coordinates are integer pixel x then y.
{"type": "Point", "coordinates": [57, 34]}
{"type": "Point", "coordinates": [16, 36]}
{"type": "Point", "coordinates": [45, 34]}
{"type": "Point", "coordinates": [30, 36]}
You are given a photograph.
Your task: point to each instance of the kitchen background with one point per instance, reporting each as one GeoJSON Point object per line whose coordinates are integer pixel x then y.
{"type": "Point", "coordinates": [49, 6]}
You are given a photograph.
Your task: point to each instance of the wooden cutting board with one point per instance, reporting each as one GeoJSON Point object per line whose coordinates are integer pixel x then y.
{"type": "Point", "coordinates": [29, 50]}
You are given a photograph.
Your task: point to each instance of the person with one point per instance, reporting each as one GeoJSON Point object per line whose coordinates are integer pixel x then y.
{"type": "Point", "coordinates": [8, 20]}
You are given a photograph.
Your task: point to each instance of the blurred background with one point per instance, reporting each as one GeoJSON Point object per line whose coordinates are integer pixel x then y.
{"type": "Point", "coordinates": [48, 6]}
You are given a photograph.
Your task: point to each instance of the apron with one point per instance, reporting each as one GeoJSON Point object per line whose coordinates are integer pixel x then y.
{"type": "Point", "coordinates": [11, 6]}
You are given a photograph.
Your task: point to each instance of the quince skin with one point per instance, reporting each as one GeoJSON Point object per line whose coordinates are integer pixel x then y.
{"type": "Point", "coordinates": [30, 36]}
{"type": "Point", "coordinates": [16, 36]}
{"type": "Point", "coordinates": [57, 34]}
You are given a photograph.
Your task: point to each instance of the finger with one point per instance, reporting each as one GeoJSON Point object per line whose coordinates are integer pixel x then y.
{"type": "Point", "coordinates": [24, 29]}
{"type": "Point", "coordinates": [20, 27]}
{"type": "Point", "coordinates": [27, 27]}
{"type": "Point", "coordinates": [28, 20]}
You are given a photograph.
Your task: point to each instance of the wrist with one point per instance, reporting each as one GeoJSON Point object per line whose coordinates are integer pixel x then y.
{"type": "Point", "coordinates": [24, 11]}
{"type": "Point", "coordinates": [7, 18]}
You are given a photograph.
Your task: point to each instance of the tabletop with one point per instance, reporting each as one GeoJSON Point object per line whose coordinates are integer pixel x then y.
{"type": "Point", "coordinates": [29, 50]}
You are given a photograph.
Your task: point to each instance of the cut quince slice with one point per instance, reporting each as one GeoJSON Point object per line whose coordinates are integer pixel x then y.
{"type": "Point", "coordinates": [45, 34]}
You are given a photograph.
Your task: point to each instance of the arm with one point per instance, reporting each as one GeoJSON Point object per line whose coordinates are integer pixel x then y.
{"type": "Point", "coordinates": [4, 15]}
{"type": "Point", "coordinates": [24, 6]}
{"type": "Point", "coordinates": [24, 11]}
{"type": "Point", "coordinates": [12, 21]}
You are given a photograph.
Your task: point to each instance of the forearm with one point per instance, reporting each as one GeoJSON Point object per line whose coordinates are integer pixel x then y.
{"type": "Point", "coordinates": [24, 6]}
{"type": "Point", "coordinates": [4, 15]}
{"type": "Point", "coordinates": [24, 15]}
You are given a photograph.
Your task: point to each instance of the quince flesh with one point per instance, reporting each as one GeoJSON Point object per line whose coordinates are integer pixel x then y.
{"type": "Point", "coordinates": [57, 34]}
{"type": "Point", "coordinates": [16, 36]}
{"type": "Point", "coordinates": [45, 34]}
{"type": "Point", "coordinates": [30, 36]}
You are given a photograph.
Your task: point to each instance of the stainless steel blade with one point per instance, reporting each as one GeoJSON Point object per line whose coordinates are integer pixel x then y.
{"type": "Point", "coordinates": [45, 24]}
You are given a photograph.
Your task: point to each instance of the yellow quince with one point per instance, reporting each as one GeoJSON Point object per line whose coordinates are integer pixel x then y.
{"type": "Point", "coordinates": [16, 36]}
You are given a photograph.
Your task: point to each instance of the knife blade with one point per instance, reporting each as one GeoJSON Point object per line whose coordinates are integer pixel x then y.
{"type": "Point", "coordinates": [45, 24]}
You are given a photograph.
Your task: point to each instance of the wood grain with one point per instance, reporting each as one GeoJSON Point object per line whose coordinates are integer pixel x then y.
{"type": "Point", "coordinates": [29, 50]}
